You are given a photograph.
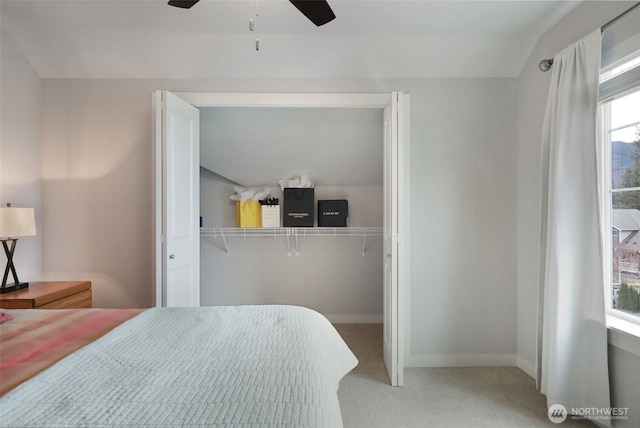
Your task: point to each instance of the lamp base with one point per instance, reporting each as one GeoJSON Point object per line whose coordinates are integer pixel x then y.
{"type": "Point", "coordinates": [7, 288]}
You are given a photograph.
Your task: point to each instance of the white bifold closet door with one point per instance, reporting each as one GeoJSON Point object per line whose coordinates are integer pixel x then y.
{"type": "Point", "coordinates": [180, 133]}
{"type": "Point", "coordinates": [392, 329]}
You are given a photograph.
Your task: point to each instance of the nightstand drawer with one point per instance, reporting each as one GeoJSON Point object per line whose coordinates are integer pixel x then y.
{"type": "Point", "coordinates": [49, 295]}
{"type": "Point", "coordinates": [78, 300]}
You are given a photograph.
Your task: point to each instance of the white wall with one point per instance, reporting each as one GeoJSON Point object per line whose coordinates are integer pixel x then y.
{"type": "Point", "coordinates": [327, 274]}
{"type": "Point", "coordinates": [532, 93]}
{"type": "Point", "coordinates": [462, 299]}
{"type": "Point", "coordinates": [20, 184]}
{"type": "Point", "coordinates": [97, 172]}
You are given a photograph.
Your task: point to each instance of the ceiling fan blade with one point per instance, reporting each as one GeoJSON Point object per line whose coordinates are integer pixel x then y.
{"type": "Point", "coordinates": [184, 4]}
{"type": "Point", "coordinates": [318, 11]}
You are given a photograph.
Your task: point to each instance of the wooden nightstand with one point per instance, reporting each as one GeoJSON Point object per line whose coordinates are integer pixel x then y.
{"type": "Point", "coordinates": [49, 295]}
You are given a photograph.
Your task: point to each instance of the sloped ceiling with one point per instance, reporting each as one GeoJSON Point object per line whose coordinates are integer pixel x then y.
{"type": "Point", "coordinates": [260, 146]}
{"type": "Point", "coordinates": [369, 38]}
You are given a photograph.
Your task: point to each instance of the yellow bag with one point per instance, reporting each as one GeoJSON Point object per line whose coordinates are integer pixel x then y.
{"type": "Point", "coordinates": [248, 213]}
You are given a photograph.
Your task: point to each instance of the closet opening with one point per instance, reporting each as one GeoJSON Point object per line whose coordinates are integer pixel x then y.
{"type": "Point", "coordinates": [355, 149]}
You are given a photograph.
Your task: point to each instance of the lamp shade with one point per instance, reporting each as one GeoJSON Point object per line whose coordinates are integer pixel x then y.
{"type": "Point", "coordinates": [17, 222]}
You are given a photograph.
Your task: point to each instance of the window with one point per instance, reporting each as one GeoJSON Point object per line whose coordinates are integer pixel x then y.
{"type": "Point", "coordinates": [620, 169]}
{"type": "Point", "coordinates": [620, 114]}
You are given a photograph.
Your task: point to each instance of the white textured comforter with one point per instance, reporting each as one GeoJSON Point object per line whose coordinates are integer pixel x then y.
{"type": "Point", "coordinates": [194, 367]}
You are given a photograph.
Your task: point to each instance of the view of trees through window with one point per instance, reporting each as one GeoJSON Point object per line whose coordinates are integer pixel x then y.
{"type": "Point", "coordinates": [625, 203]}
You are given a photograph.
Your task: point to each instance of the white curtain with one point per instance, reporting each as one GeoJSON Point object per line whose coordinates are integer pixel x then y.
{"type": "Point", "coordinates": [572, 354]}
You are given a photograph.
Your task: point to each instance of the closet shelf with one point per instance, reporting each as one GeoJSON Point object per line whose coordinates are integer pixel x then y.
{"type": "Point", "coordinates": [290, 232]}
{"type": "Point", "coordinates": [244, 231]}
{"type": "Point", "coordinates": [337, 231]}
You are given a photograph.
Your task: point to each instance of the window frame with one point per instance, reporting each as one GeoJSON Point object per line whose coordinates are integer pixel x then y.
{"type": "Point", "coordinates": [611, 89]}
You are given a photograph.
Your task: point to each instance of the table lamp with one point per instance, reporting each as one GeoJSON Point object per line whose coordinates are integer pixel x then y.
{"type": "Point", "coordinates": [14, 223]}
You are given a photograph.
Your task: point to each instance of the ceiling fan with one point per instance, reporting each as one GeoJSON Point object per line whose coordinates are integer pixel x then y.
{"type": "Point", "coordinates": [318, 11]}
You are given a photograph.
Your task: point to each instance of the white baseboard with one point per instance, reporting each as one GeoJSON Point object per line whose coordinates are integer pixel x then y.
{"type": "Point", "coordinates": [529, 367]}
{"type": "Point", "coordinates": [478, 360]}
{"type": "Point", "coordinates": [355, 319]}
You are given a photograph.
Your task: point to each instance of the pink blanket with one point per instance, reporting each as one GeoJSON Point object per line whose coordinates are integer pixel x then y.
{"type": "Point", "coordinates": [35, 339]}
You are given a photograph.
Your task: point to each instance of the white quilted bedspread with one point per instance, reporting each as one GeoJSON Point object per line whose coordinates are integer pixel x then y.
{"type": "Point", "coordinates": [267, 366]}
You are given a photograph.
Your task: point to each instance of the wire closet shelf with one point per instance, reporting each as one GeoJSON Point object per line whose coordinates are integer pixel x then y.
{"type": "Point", "coordinates": [290, 233]}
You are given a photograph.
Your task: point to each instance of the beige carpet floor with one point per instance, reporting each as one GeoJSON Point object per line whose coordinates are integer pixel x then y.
{"type": "Point", "coordinates": [365, 341]}
{"type": "Point", "coordinates": [459, 397]}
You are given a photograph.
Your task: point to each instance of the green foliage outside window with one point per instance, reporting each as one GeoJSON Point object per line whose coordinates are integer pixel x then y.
{"type": "Point", "coordinates": [628, 298]}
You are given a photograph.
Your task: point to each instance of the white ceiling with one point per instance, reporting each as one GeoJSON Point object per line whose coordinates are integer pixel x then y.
{"type": "Point", "coordinates": [369, 38]}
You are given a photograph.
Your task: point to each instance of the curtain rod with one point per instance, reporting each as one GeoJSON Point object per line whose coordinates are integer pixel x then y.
{"type": "Point", "coordinates": [545, 64]}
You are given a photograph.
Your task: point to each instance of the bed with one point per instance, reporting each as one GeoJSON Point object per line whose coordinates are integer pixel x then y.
{"type": "Point", "coordinates": [172, 367]}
